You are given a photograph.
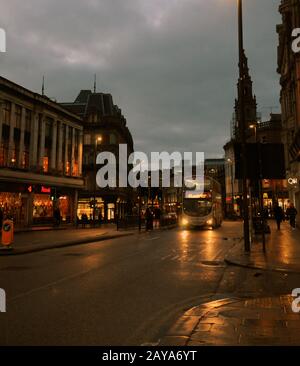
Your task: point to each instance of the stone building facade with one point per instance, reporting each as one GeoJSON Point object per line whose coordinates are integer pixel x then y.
{"type": "Point", "coordinates": [105, 128]}
{"type": "Point", "coordinates": [289, 71]}
{"type": "Point", "coordinates": [40, 157]}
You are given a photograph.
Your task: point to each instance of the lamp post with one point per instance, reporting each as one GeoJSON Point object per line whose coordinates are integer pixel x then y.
{"type": "Point", "coordinates": [242, 128]}
{"type": "Point", "coordinates": [97, 140]}
{"type": "Point", "coordinates": [253, 126]}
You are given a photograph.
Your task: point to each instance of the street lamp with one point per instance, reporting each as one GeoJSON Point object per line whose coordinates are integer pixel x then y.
{"type": "Point", "coordinates": [242, 127]}
{"type": "Point", "coordinates": [253, 126]}
{"type": "Point", "coordinates": [97, 140]}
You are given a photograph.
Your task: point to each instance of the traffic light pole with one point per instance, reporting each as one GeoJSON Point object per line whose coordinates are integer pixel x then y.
{"type": "Point", "coordinates": [242, 128]}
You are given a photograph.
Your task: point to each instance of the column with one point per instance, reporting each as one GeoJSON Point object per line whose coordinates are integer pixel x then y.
{"type": "Point", "coordinates": [53, 146]}
{"type": "Point", "coordinates": [11, 144]}
{"type": "Point", "coordinates": [80, 152]}
{"type": "Point", "coordinates": [21, 147]}
{"type": "Point", "coordinates": [72, 151]}
{"type": "Point", "coordinates": [59, 152]}
{"type": "Point", "coordinates": [34, 134]}
{"type": "Point", "coordinates": [42, 143]}
{"type": "Point", "coordinates": [66, 142]}
{"type": "Point", "coordinates": [74, 208]}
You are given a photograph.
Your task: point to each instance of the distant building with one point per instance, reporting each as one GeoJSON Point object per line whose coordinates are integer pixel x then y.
{"type": "Point", "coordinates": [256, 131]}
{"type": "Point", "coordinates": [105, 128]}
{"type": "Point", "coordinates": [289, 71]}
{"type": "Point", "coordinates": [233, 187]}
{"type": "Point", "coordinates": [40, 157]}
{"type": "Point", "coordinates": [215, 168]}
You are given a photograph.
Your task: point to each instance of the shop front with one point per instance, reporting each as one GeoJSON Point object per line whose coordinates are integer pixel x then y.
{"type": "Point", "coordinates": [34, 204]}
{"type": "Point", "coordinates": [86, 207]}
{"type": "Point", "coordinates": [13, 205]}
{"type": "Point", "coordinates": [107, 208]}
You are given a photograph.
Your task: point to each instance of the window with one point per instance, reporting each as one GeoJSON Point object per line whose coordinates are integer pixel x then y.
{"type": "Point", "coordinates": [6, 112]}
{"type": "Point", "coordinates": [87, 139]}
{"type": "Point", "coordinates": [18, 114]}
{"type": "Point", "coordinates": [48, 128]}
{"type": "Point", "coordinates": [28, 120]}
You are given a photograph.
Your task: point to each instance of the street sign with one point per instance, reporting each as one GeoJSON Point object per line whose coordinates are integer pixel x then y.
{"type": "Point", "coordinates": [271, 157]}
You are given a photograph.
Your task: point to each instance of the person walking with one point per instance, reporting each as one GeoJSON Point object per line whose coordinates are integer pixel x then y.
{"type": "Point", "coordinates": [149, 220]}
{"type": "Point", "coordinates": [291, 213]}
{"type": "Point", "coordinates": [278, 215]}
{"type": "Point", "coordinates": [57, 217]}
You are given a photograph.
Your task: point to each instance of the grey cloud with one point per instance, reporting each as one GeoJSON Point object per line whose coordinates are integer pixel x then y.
{"type": "Point", "coordinates": [171, 65]}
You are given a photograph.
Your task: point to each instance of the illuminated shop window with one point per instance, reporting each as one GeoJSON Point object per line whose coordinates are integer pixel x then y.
{"type": "Point", "coordinates": [46, 164]}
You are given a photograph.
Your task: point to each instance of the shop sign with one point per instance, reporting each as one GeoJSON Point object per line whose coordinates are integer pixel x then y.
{"type": "Point", "coordinates": [39, 189]}
{"type": "Point", "coordinates": [45, 190]}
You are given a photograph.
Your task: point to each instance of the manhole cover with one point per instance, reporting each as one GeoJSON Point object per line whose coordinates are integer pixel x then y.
{"type": "Point", "coordinates": [15, 268]}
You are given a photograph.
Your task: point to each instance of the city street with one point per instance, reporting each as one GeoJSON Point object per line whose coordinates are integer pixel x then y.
{"type": "Point", "coordinates": [125, 291]}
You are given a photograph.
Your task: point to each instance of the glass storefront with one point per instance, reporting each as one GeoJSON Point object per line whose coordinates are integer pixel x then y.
{"type": "Point", "coordinates": [64, 208]}
{"type": "Point", "coordinates": [42, 207]}
{"type": "Point", "coordinates": [12, 206]}
{"type": "Point", "coordinates": [85, 206]}
{"type": "Point", "coordinates": [110, 211]}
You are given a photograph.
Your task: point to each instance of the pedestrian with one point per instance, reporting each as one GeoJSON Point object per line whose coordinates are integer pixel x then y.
{"type": "Point", "coordinates": [149, 219]}
{"type": "Point", "coordinates": [84, 220]}
{"type": "Point", "coordinates": [278, 215]}
{"type": "Point", "coordinates": [291, 213]}
{"type": "Point", "coordinates": [57, 217]}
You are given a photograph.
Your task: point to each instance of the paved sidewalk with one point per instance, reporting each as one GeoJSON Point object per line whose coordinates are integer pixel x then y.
{"type": "Point", "coordinates": [236, 322]}
{"type": "Point", "coordinates": [282, 251]}
{"type": "Point", "coordinates": [33, 241]}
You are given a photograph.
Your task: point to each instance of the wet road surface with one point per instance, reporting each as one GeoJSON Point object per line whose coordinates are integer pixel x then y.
{"type": "Point", "coordinates": [125, 291]}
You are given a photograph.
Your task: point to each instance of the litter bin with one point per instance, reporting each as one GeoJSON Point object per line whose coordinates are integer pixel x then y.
{"type": "Point", "coordinates": [7, 232]}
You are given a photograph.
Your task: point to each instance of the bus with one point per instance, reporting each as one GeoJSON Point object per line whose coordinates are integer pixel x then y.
{"type": "Point", "coordinates": [202, 207]}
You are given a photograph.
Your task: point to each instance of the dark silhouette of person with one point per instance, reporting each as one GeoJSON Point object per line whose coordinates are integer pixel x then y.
{"type": "Point", "coordinates": [291, 212]}
{"type": "Point", "coordinates": [278, 215]}
{"type": "Point", "coordinates": [84, 220]}
{"type": "Point", "coordinates": [149, 219]}
{"type": "Point", "coordinates": [57, 217]}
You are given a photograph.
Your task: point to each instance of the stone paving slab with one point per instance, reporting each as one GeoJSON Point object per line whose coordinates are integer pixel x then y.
{"type": "Point", "coordinates": [236, 322]}
{"type": "Point", "coordinates": [282, 251]}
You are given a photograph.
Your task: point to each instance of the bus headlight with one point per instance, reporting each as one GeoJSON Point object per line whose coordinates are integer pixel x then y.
{"type": "Point", "coordinates": [184, 222]}
{"type": "Point", "coordinates": [209, 222]}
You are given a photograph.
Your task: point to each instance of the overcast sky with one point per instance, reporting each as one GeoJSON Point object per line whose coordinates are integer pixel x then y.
{"type": "Point", "coordinates": [171, 65]}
